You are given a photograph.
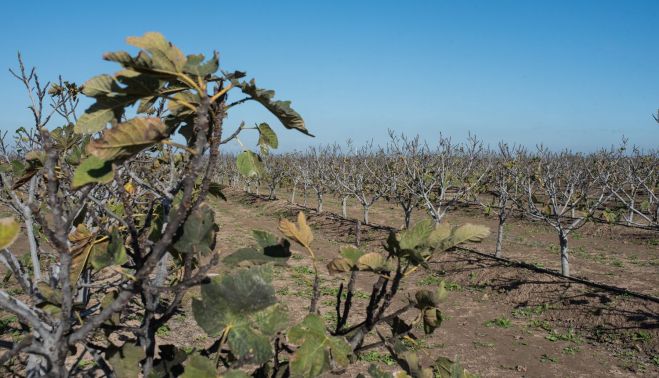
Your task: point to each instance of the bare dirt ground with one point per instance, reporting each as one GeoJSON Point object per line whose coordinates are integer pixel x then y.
{"type": "Point", "coordinates": [499, 319]}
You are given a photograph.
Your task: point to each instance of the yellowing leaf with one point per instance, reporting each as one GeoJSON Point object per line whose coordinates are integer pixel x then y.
{"type": "Point", "coordinates": [127, 139]}
{"type": "Point", "coordinates": [469, 232]}
{"type": "Point", "coordinates": [372, 261]}
{"type": "Point", "coordinates": [441, 232]}
{"type": "Point", "coordinates": [9, 230]}
{"type": "Point", "coordinates": [166, 58]}
{"type": "Point", "coordinates": [83, 241]}
{"type": "Point", "coordinates": [339, 265]}
{"type": "Point", "coordinates": [301, 232]}
{"type": "Point", "coordinates": [129, 187]}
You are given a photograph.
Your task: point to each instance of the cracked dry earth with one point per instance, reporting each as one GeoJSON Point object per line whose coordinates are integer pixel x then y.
{"type": "Point", "coordinates": [500, 320]}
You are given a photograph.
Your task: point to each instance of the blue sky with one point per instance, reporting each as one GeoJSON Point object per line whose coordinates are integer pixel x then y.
{"type": "Point", "coordinates": [568, 74]}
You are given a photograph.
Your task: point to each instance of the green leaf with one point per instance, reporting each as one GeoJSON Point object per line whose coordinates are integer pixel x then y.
{"type": "Point", "coordinates": [264, 238]}
{"type": "Point", "coordinates": [251, 256]}
{"type": "Point", "coordinates": [249, 164]}
{"type": "Point", "coordinates": [18, 167]}
{"type": "Point", "coordinates": [165, 57]}
{"type": "Point", "coordinates": [127, 139]}
{"type": "Point", "coordinates": [198, 366]}
{"type": "Point", "coordinates": [53, 296]}
{"type": "Point", "coordinates": [375, 372]}
{"type": "Point", "coordinates": [102, 112]}
{"type": "Point", "coordinates": [195, 65]}
{"type": "Point", "coordinates": [101, 85]}
{"type": "Point", "coordinates": [246, 290]}
{"type": "Point", "coordinates": [198, 232]}
{"type": "Point", "coordinates": [126, 361]}
{"type": "Point", "coordinates": [74, 157]}
{"type": "Point", "coordinates": [281, 109]}
{"type": "Point", "coordinates": [271, 319]}
{"type": "Point", "coordinates": [9, 231]}
{"type": "Point", "coordinates": [267, 138]}
{"type": "Point", "coordinates": [170, 362]}
{"type": "Point", "coordinates": [427, 298]}
{"type": "Point", "coordinates": [24, 171]}
{"type": "Point", "coordinates": [416, 235]}
{"type": "Point", "coordinates": [270, 250]}
{"type": "Point", "coordinates": [242, 304]}
{"type": "Point", "coordinates": [248, 343]}
{"type": "Point", "coordinates": [432, 319]}
{"type": "Point", "coordinates": [412, 365]}
{"type": "Point", "coordinates": [109, 254]}
{"type": "Point", "coordinates": [92, 170]}
{"type": "Point", "coordinates": [106, 302]}
{"type": "Point", "coordinates": [351, 253]}
{"type": "Point", "coordinates": [316, 349]}
{"type": "Point", "coordinates": [250, 336]}
{"type": "Point", "coordinates": [215, 190]}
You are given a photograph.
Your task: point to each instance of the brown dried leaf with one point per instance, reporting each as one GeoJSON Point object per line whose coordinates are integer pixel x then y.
{"type": "Point", "coordinates": [339, 265]}
{"type": "Point", "coordinates": [301, 232]}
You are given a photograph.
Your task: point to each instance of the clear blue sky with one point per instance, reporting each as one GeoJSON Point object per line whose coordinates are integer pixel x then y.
{"type": "Point", "coordinates": [576, 74]}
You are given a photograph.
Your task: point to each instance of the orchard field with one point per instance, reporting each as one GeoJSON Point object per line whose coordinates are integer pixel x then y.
{"type": "Point", "coordinates": [133, 245]}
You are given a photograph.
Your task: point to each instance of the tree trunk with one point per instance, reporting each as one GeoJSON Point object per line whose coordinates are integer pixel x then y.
{"type": "Point", "coordinates": [565, 264]}
{"type": "Point", "coordinates": [293, 194]}
{"type": "Point", "coordinates": [497, 251]}
{"type": "Point", "coordinates": [319, 208]}
{"type": "Point", "coordinates": [34, 249]}
{"type": "Point", "coordinates": [366, 208]}
{"type": "Point", "coordinates": [408, 216]}
{"type": "Point", "coordinates": [630, 220]}
{"type": "Point", "coordinates": [36, 366]}
{"type": "Point", "coordinates": [435, 216]}
{"type": "Point", "coordinates": [161, 270]}
{"type": "Point", "coordinates": [272, 195]}
{"type": "Point", "coordinates": [344, 206]}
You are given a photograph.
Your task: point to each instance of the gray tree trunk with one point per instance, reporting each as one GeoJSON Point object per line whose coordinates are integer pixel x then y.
{"type": "Point", "coordinates": [630, 219]}
{"type": "Point", "coordinates": [344, 206]}
{"type": "Point", "coordinates": [497, 251]}
{"type": "Point", "coordinates": [34, 249]}
{"type": "Point", "coordinates": [366, 208]}
{"type": "Point", "coordinates": [319, 208]}
{"type": "Point", "coordinates": [565, 264]}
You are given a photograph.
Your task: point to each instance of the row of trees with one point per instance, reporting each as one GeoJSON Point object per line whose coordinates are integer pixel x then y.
{"type": "Point", "coordinates": [119, 229]}
{"type": "Point", "coordinates": [562, 189]}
